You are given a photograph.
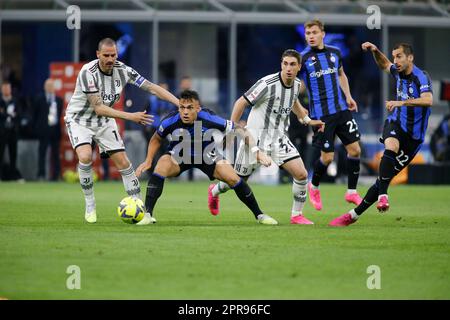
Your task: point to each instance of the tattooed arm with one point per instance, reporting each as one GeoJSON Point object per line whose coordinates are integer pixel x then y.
{"type": "Point", "coordinates": [102, 110]}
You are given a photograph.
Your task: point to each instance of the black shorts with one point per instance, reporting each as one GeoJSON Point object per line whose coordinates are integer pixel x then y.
{"type": "Point", "coordinates": [408, 146]}
{"type": "Point", "coordinates": [341, 124]}
{"type": "Point", "coordinates": [206, 168]}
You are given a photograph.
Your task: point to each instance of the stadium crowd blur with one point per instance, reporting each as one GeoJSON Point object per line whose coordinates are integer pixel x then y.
{"type": "Point", "coordinates": [36, 121]}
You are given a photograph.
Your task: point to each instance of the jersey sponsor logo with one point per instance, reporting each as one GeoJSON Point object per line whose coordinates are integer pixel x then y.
{"type": "Point", "coordinates": [424, 87]}
{"type": "Point", "coordinates": [322, 72]}
{"type": "Point", "coordinates": [282, 111]}
{"type": "Point", "coordinates": [161, 128]}
{"type": "Point", "coordinates": [110, 96]}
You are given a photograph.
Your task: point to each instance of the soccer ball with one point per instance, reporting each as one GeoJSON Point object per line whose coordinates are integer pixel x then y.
{"type": "Point", "coordinates": [131, 210]}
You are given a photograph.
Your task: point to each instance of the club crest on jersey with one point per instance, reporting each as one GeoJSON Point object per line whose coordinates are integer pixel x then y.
{"type": "Point", "coordinates": [117, 82]}
{"type": "Point", "coordinates": [332, 59]}
{"type": "Point", "coordinates": [411, 90]}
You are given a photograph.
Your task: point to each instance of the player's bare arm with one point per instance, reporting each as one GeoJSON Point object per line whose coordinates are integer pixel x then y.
{"type": "Point", "coordinates": [343, 82]}
{"type": "Point", "coordinates": [425, 100]}
{"type": "Point", "coordinates": [302, 87]}
{"type": "Point", "coordinates": [160, 92]}
{"type": "Point", "coordinates": [302, 116]}
{"type": "Point", "coordinates": [102, 110]}
{"type": "Point", "coordinates": [238, 109]}
{"type": "Point", "coordinates": [261, 157]}
{"type": "Point", "coordinates": [153, 147]}
{"type": "Point", "coordinates": [381, 60]}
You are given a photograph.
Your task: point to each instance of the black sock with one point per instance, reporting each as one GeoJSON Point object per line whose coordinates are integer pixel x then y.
{"type": "Point", "coordinates": [387, 170]}
{"type": "Point", "coordinates": [370, 197]}
{"type": "Point", "coordinates": [319, 170]}
{"type": "Point", "coordinates": [353, 172]}
{"type": "Point", "coordinates": [245, 194]}
{"type": "Point", "coordinates": [154, 190]}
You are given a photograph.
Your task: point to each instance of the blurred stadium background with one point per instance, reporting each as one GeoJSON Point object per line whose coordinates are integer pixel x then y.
{"type": "Point", "coordinates": [224, 46]}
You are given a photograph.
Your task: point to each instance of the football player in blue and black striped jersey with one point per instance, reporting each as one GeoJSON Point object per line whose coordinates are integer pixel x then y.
{"type": "Point", "coordinates": [330, 100]}
{"type": "Point", "coordinates": [405, 127]}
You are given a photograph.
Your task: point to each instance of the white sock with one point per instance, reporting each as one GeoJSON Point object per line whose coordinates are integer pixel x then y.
{"type": "Point", "coordinates": [219, 188]}
{"type": "Point", "coordinates": [87, 184]}
{"type": "Point", "coordinates": [353, 214]}
{"type": "Point", "coordinates": [299, 192]}
{"type": "Point", "coordinates": [351, 191]}
{"type": "Point", "coordinates": [381, 196]}
{"type": "Point", "coordinates": [131, 182]}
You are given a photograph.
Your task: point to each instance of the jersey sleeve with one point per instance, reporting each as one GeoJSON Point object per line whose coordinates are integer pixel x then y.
{"type": "Point", "coordinates": [393, 71]}
{"type": "Point", "coordinates": [338, 53]}
{"type": "Point", "coordinates": [134, 77]}
{"type": "Point", "coordinates": [256, 92]}
{"type": "Point", "coordinates": [162, 132]}
{"type": "Point", "coordinates": [88, 82]}
{"type": "Point", "coordinates": [425, 83]}
{"type": "Point", "coordinates": [217, 122]}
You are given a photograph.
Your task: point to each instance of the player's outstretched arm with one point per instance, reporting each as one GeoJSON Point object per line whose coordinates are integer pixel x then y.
{"type": "Point", "coordinates": [102, 110]}
{"type": "Point", "coordinates": [381, 60]}
{"type": "Point", "coordinates": [153, 147]}
{"type": "Point", "coordinates": [302, 116]}
{"type": "Point", "coordinates": [238, 109]}
{"type": "Point", "coordinates": [160, 92]}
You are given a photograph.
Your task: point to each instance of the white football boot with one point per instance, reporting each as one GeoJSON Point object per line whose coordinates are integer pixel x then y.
{"type": "Point", "coordinates": [147, 219]}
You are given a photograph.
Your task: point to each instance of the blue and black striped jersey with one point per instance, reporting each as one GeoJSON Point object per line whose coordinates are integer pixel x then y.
{"type": "Point", "coordinates": [320, 73]}
{"type": "Point", "coordinates": [172, 127]}
{"type": "Point", "coordinates": [413, 120]}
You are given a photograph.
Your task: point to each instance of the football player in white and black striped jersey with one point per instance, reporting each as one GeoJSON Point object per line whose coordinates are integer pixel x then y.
{"type": "Point", "coordinates": [272, 99]}
{"type": "Point", "coordinates": [90, 118]}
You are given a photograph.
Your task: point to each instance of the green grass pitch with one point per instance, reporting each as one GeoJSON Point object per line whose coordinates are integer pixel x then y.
{"type": "Point", "coordinates": [190, 254]}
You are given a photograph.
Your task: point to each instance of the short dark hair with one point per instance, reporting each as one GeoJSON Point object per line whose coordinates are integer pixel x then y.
{"type": "Point", "coordinates": [407, 48]}
{"type": "Point", "coordinates": [189, 95]}
{"type": "Point", "coordinates": [292, 53]}
{"type": "Point", "coordinates": [106, 42]}
{"type": "Point", "coordinates": [313, 23]}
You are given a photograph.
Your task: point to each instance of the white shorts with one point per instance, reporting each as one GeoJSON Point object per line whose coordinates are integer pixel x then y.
{"type": "Point", "coordinates": [107, 136]}
{"type": "Point", "coordinates": [280, 152]}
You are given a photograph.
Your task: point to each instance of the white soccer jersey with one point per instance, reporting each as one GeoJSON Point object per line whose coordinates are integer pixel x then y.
{"type": "Point", "coordinates": [91, 80]}
{"type": "Point", "coordinates": [271, 101]}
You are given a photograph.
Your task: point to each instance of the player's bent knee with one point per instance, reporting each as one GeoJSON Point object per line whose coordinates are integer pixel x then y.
{"type": "Point", "coordinates": [85, 158]}
{"type": "Point", "coordinates": [231, 180]}
{"type": "Point", "coordinates": [166, 167]}
{"type": "Point", "coordinates": [301, 175]}
{"type": "Point", "coordinates": [327, 158]}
